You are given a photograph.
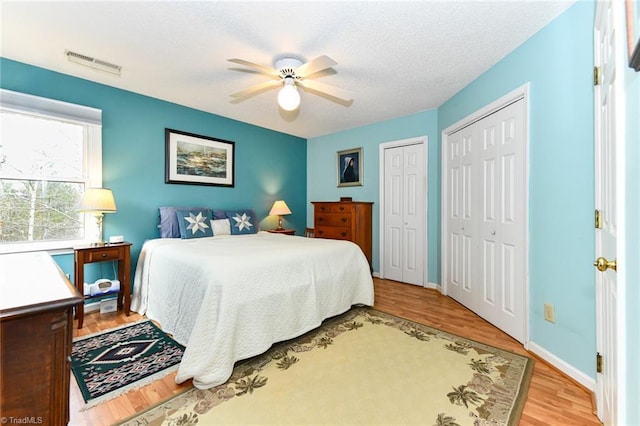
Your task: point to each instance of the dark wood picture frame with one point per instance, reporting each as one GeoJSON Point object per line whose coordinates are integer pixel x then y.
{"type": "Point", "coordinates": [349, 167]}
{"type": "Point", "coordinates": [192, 159]}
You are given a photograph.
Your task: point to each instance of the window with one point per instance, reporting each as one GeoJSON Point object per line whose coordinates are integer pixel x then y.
{"type": "Point", "coordinates": [50, 151]}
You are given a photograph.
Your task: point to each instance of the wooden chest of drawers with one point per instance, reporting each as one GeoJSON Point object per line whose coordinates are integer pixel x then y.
{"type": "Point", "coordinates": [36, 325]}
{"type": "Point", "coordinates": [344, 220]}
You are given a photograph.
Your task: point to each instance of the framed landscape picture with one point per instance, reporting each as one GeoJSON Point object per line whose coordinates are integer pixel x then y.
{"type": "Point", "coordinates": [349, 167]}
{"type": "Point", "coordinates": [198, 160]}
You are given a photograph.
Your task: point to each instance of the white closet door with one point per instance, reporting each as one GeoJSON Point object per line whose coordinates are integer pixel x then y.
{"type": "Point", "coordinates": [404, 214]}
{"type": "Point", "coordinates": [393, 207]}
{"type": "Point", "coordinates": [452, 167]}
{"type": "Point", "coordinates": [413, 194]}
{"type": "Point", "coordinates": [469, 277]}
{"type": "Point", "coordinates": [501, 219]}
{"type": "Point", "coordinates": [490, 197]}
{"type": "Point", "coordinates": [485, 217]}
{"type": "Point", "coordinates": [461, 229]}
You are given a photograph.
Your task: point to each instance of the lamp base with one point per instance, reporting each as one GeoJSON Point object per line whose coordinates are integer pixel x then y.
{"type": "Point", "coordinates": [99, 242]}
{"type": "Point", "coordinates": [279, 228]}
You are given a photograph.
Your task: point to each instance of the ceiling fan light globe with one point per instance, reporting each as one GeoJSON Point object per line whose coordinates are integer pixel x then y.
{"type": "Point", "coordinates": [289, 98]}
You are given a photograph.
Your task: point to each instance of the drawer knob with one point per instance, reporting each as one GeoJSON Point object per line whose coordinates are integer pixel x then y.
{"type": "Point", "coordinates": [320, 219]}
{"type": "Point", "coordinates": [343, 220]}
{"type": "Point", "coordinates": [320, 232]}
{"type": "Point", "coordinates": [344, 234]}
{"type": "Point", "coordinates": [104, 254]}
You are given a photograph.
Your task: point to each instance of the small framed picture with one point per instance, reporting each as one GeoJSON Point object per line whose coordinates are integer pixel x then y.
{"type": "Point", "coordinates": [198, 160]}
{"type": "Point", "coordinates": [349, 167]}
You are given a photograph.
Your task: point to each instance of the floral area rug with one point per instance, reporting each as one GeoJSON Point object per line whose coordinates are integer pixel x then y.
{"type": "Point", "coordinates": [364, 367]}
{"type": "Point", "coordinates": [110, 363]}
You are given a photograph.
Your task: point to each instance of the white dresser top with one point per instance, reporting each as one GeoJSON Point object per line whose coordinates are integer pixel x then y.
{"type": "Point", "coordinates": [28, 279]}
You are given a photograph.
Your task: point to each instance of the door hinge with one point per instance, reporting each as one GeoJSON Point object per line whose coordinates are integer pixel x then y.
{"type": "Point", "coordinates": [596, 76]}
{"type": "Point", "coordinates": [598, 363]}
{"type": "Point", "coordinates": [598, 219]}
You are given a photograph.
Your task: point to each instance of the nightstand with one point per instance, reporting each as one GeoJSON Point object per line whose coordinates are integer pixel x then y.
{"type": "Point", "coordinates": [119, 252]}
{"type": "Point", "coordinates": [282, 231]}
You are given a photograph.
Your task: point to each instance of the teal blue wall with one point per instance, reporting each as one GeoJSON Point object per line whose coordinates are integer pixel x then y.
{"type": "Point", "coordinates": [322, 173]}
{"type": "Point", "coordinates": [558, 62]}
{"type": "Point", "coordinates": [632, 267]}
{"type": "Point", "coordinates": [269, 165]}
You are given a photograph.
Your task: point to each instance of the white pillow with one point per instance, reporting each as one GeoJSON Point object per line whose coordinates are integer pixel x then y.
{"type": "Point", "coordinates": [221, 227]}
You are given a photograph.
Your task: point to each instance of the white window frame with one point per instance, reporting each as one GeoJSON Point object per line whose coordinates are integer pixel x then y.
{"type": "Point", "coordinates": [91, 119]}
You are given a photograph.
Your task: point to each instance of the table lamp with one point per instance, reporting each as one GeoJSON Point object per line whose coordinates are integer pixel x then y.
{"type": "Point", "coordinates": [280, 208]}
{"type": "Point", "coordinates": [97, 201]}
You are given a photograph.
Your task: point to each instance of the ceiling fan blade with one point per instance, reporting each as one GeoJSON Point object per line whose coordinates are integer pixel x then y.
{"type": "Point", "coordinates": [262, 68]}
{"type": "Point", "coordinates": [313, 66]}
{"type": "Point", "coordinates": [330, 91]}
{"type": "Point", "coordinates": [256, 88]}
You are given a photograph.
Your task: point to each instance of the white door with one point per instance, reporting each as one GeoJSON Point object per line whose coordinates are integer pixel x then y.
{"type": "Point", "coordinates": [413, 193]}
{"type": "Point", "coordinates": [453, 220]}
{"type": "Point", "coordinates": [501, 215]}
{"type": "Point", "coordinates": [393, 213]}
{"type": "Point", "coordinates": [485, 214]}
{"type": "Point", "coordinates": [461, 223]}
{"type": "Point", "coordinates": [609, 140]}
{"type": "Point", "coordinates": [404, 200]}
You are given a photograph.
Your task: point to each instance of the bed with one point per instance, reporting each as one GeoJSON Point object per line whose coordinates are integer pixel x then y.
{"type": "Point", "coordinates": [230, 297]}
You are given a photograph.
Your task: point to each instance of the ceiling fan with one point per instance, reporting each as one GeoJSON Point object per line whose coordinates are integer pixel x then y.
{"type": "Point", "coordinates": [290, 72]}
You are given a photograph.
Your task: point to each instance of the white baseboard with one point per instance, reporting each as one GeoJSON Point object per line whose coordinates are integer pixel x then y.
{"type": "Point", "coordinates": [435, 286]}
{"type": "Point", "coordinates": [577, 375]}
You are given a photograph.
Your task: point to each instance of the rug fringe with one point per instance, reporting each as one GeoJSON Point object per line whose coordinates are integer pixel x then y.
{"type": "Point", "coordinates": [128, 388]}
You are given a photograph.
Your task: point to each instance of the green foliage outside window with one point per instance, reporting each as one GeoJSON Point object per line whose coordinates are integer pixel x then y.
{"type": "Point", "coordinates": [33, 210]}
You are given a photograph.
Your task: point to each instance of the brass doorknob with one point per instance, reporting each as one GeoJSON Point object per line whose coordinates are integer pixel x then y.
{"type": "Point", "coordinates": [602, 264]}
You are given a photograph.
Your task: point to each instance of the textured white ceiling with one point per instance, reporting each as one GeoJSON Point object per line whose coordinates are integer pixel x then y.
{"type": "Point", "coordinates": [394, 58]}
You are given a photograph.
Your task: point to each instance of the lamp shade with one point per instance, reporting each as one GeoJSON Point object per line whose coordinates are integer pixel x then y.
{"type": "Point", "coordinates": [280, 208]}
{"type": "Point", "coordinates": [97, 200]}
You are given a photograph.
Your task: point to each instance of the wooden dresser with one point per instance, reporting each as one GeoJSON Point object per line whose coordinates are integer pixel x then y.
{"type": "Point", "coordinates": [36, 328]}
{"type": "Point", "coordinates": [344, 220]}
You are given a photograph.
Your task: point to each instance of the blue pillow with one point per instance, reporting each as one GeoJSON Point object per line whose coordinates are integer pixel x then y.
{"type": "Point", "coordinates": [169, 227]}
{"type": "Point", "coordinates": [194, 223]}
{"type": "Point", "coordinates": [219, 214]}
{"type": "Point", "coordinates": [242, 221]}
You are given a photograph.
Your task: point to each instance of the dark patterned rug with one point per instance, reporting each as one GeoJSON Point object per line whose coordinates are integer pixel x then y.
{"type": "Point", "coordinates": [110, 363]}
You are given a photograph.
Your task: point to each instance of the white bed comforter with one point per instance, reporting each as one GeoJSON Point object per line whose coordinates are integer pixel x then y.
{"type": "Point", "coordinates": [228, 298]}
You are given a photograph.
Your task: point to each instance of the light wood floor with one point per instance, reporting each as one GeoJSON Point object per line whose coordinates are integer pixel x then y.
{"type": "Point", "coordinates": [553, 399]}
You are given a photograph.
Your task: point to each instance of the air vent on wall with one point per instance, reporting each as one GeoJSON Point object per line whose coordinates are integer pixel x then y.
{"type": "Point", "coordinates": [94, 63]}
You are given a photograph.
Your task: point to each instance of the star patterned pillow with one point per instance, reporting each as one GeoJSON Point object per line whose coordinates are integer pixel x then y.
{"type": "Point", "coordinates": [194, 223]}
{"type": "Point", "coordinates": [169, 223]}
{"type": "Point", "coordinates": [242, 221]}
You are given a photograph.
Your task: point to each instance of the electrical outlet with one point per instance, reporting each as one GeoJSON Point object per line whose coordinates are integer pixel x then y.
{"type": "Point", "coordinates": [549, 313]}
